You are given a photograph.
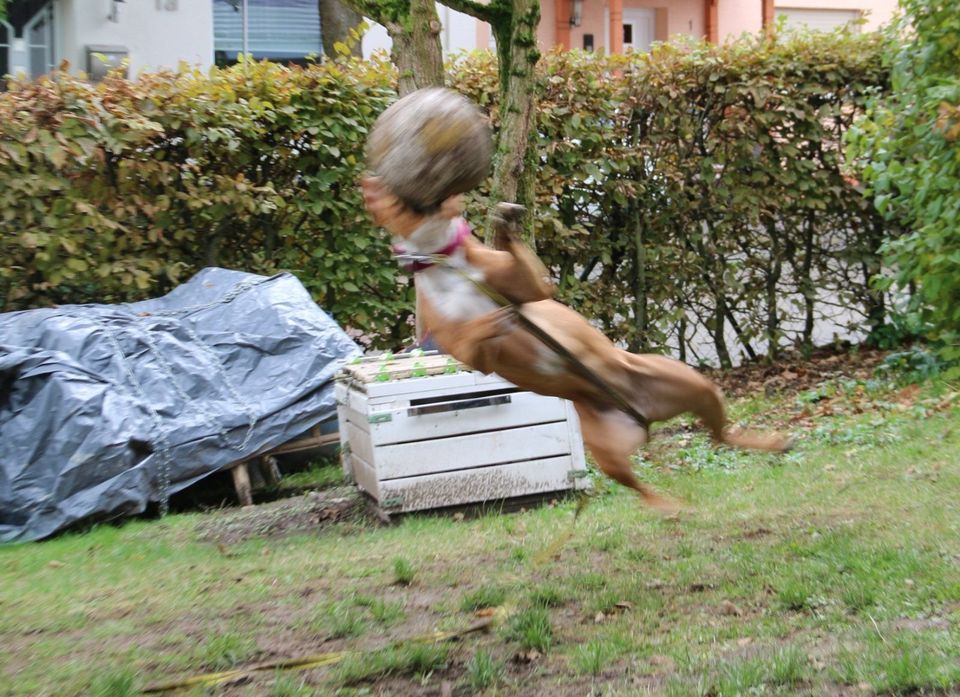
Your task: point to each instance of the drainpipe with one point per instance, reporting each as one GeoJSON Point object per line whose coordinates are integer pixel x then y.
{"type": "Point", "coordinates": [245, 30]}
{"type": "Point", "coordinates": [710, 20]}
{"type": "Point", "coordinates": [766, 10]}
{"type": "Point", "coordinates": [562, 29]}
{"type": "Point", "coordinates": [616, 26]}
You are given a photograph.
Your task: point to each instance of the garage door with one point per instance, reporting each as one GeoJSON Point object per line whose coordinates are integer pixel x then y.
{"type": "Point", "coordinates": [817, 20]}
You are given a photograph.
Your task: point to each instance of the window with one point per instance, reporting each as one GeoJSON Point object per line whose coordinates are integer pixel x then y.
{"type": "Point", "coordinates": [282, 30]}
{"type": "Point", "coordinates": [26, 38]}
{"type": "Point", "coordinates": [39, 35]}
{"type": "Point", "coordinates": [628, 35]}
{"type": "Point", "coordinates": [6, 36]}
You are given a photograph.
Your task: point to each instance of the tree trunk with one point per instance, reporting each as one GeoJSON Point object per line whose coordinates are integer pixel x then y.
{"type": "Point", "coordinates": [416, 51]}
{"type": "Point", "coordinates": [773, 273]}
{"type": "Point", "coordinates": [639, 343]}
{"type": "Point", "coordinates": [719, 340]}
{"type": "Point", "coordinates": [682, 335]}
{"type": "Point", "coordinates": [874, 301]}
{"type": "Point", "coordinates": [807, 287]}
{"type": "Point", "coordinates": [514, 166]}
{"type": "Point", "coordinates": [336, 21]}
{"type": "Point", "coordinates": [414, 28]}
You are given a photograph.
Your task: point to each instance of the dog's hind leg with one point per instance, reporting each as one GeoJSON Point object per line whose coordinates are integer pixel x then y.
{"type": "Point", "coordinates": [670, 388]}
{"type": "Point", "coordinates": [712, 411]}
{"type": "Point", "coordinates": [611, 437]}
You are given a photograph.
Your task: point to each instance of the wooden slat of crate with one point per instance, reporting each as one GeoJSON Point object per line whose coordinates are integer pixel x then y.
{"type": "Point", "coordinates": [396, 426]}
{"type": "Point", "coordinates": [438, 388]}
{"type": "Point", "coordinates": [400, 392]}
{"type": "Point", "coordinates": [363, 473]}
{"type": "Point", "coordinates": [526, 443]}
{"type": "Point", "coordinates": [475, 485]}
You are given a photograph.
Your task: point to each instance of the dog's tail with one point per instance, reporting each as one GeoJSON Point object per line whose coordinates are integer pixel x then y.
{"type": "Point", "coordinates": [776, 442]}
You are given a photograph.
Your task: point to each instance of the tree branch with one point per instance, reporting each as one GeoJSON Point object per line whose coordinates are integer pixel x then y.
{"type": "Point", "coordinates": [369, 8]}
{"type": "Point", "coordinates": [481, 9]}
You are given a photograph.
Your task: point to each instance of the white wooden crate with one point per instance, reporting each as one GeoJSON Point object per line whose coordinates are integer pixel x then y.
{"type": "Point", "coordinates": [421, 432]}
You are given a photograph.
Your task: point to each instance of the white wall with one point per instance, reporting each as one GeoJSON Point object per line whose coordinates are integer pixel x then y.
{"type": "Point", "coordinates": [157, 33]}
{"type": "Point", "coordinates": [375, 39]}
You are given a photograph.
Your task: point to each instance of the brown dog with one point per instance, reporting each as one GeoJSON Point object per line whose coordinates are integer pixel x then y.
{"type": "Point", "coordinates": [470, 326]}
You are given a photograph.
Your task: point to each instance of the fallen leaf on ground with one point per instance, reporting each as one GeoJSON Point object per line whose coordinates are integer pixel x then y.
{"type": "Point", "coordinates": [527, 656]}
{"type": "Point", "coordinates": [665, 662]}
{"type": "Point", "coordinates": [728, 608]}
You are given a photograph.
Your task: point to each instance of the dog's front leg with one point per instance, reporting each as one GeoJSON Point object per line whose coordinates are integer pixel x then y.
{"type": "Point", "coordinates": [521, 276]}
{"type": "Point", "coordinates": [611, 437]}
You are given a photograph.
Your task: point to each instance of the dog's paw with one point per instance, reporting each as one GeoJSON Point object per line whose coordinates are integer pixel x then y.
{"type": "Point", "coordinates": [664, 505]}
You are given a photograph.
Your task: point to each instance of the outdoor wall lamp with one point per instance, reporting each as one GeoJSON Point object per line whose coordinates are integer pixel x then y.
{"type": "Point", "coordinates": [114, 15]}
{"type": "Point", "coordinates": [576, 13]}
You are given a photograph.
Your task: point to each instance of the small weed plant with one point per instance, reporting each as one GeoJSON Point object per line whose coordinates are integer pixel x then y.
{"type": "Point", "coordinates": [483, 671]}
{"type": "Point", "coordinates": [488, 596]}
{"type": "Point", "coordinates": [591, 658]}
{"type": "Point", "coordinates": [290, 686]}
{"type": "Point", "coordinates": [407, 659]}
{"type": "Point", "coordinates": [120, 683]}
{"type": "Point", "coordinates": [531, 629]}
{"type": "Point", "coordinates": [226, 650]}
{"type": "Point", "coordinates": [403, 572]}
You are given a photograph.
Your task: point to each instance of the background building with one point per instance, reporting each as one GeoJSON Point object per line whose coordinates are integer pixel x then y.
{"type": "Point", "coordinates": [151, 34]}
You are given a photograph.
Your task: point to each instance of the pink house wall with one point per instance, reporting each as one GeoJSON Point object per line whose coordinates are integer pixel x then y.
{"type": "Point", "coordinates": [688, 17]}
{"type": "Point", "coordinates": [675, 17]}
{"type": "Point", "coordinates": [737, 16]}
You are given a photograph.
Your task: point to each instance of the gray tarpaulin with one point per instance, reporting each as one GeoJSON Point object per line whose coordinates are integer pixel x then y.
{"type": "Point", "coordinates": [106, 408]}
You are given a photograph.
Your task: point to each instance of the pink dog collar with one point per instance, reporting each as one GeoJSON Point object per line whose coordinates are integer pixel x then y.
{"type": "Point", "coordinates": [416, 265]}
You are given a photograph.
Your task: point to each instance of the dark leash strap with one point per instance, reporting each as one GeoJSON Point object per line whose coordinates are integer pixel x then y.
{"type": "Point", "coordinates": [533, 328]}
{"type": "Point", "coordinates": [578, 366]}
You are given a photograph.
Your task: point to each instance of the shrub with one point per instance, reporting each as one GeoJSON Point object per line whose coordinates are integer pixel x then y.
{"type": "Point", "coordinates": [697, 194]}
{"type": "Point", "coordinates": [692, 197]}
{"type": "Point", "coordinates": [909, 145]}
{"type": "Point", "coordinates": [119, 190]}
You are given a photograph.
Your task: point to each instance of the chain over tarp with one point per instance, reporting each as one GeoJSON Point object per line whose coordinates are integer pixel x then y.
{"type": "Point", "coordinates": [107, 408]}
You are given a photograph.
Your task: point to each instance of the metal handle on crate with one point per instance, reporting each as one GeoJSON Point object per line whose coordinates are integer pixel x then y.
{"type": "Point", "coordinates": [441, 407]}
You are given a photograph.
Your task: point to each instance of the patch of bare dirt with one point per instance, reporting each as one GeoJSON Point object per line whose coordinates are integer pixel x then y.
{"type": "Point", "coordinates": [291, 516]}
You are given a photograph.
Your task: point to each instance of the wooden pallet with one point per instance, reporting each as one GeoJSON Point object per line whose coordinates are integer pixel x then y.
{"type": "Point", "coordinates": [266, 462]}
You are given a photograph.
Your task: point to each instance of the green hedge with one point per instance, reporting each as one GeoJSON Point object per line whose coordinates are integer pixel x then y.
{"type": "Point", "coordinates": [694, 190]}
{"type": "Point", "coordinates": [910, 148]}
{"type": "Point", "coordinates": [699, 190]}
{"type": "Point", "coordinates": [117, 191]}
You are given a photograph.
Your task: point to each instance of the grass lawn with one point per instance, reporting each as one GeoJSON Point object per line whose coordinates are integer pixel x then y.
{"type": "Point", "coordinates": [832, 570]}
